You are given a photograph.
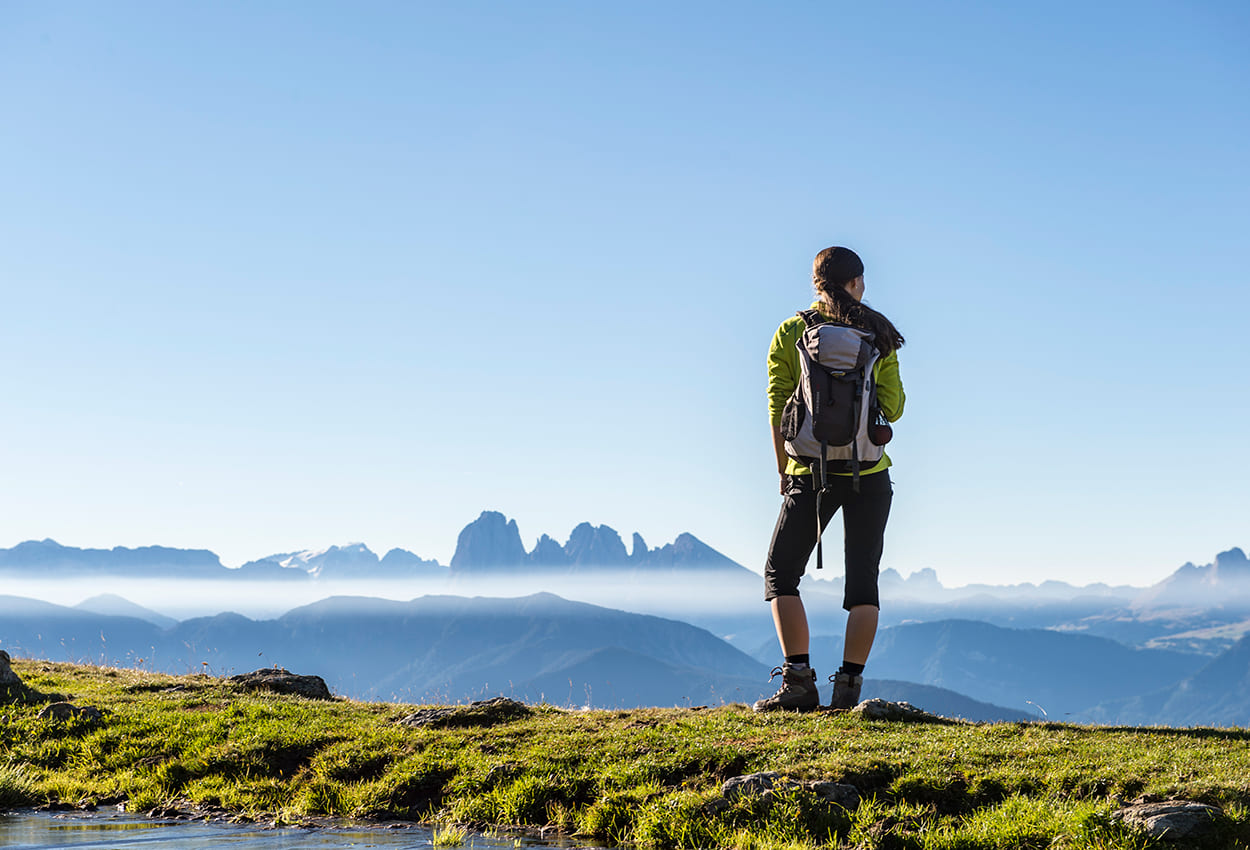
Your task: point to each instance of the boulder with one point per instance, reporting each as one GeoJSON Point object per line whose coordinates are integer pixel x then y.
{"type": "Point", "coordinates": [769, 783]}
{"type": "Point", "coordinates": [13, 691]}
{"type": "Point", "coordinates": [879, 709]}
{"type": "Point", "coordinates": [58, 711]}
{"type": "Point", "coordinates": [489, 712]}
{"type": "Point", "coordinates": [68, 711]}
{"type": "Point", "coordinates": [1172, 820]}
{"type": "Point", "coordinates": [279, 681]}
{"type": "Point", "coordinates": [846, 796]}
{"type": "Point", "coordinates": [7, 676]}
{"type": "Point", "coordinates": [764, 784]}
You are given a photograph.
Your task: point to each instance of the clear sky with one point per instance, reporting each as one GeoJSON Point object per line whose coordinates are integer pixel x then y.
{"type": "Point", "coordinates": [283, 275]}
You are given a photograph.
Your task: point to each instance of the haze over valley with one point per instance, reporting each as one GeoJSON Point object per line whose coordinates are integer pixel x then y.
{"type": "Point", "coordinates": [594, 622]}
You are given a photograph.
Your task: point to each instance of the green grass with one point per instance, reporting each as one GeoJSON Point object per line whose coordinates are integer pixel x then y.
{"type": "Point", "coordinates": [648, 777]}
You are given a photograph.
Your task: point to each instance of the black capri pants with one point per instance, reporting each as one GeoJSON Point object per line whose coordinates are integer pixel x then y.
{"type": "Point", "coordinates": [864, 515]}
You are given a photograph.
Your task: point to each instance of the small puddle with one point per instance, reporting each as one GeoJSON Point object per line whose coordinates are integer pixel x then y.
{"type": "Point", "coordinates": [117, 831]}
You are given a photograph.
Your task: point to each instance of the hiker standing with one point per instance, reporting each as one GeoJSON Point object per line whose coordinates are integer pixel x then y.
{"type": "Point", "coordinates": [856, 475]}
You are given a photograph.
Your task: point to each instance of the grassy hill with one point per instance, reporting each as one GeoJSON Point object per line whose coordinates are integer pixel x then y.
{"type": "Point", "coordinates": [649, 776]}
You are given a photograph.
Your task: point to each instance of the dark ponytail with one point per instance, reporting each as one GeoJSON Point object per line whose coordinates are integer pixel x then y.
{"type": "Point", "coordinates": [832, 270]}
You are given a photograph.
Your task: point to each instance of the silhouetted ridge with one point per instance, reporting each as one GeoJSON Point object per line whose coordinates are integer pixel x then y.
{"type": "Point", "coordinates": [595, 545]}
{"type": "Point", "coordinates": [494, 542]}
{"type": "Point", "coordinates": [488, 541]}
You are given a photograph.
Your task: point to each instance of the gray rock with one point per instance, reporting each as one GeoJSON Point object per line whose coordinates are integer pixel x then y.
{"type": "Point", "coordinates": [846, 796]}
{"type": "Point", "coordinates": [769, 783]}
{"type": "Point", "coordinates": [7, 676]}
{"type": "Point", "coordinates": [489, 712]}
{"type": "Point", "coordinates": [1172, 820]}
{"type": "Point", "coordinates": [879, 709]}
{"type": "Point", "coordinates": [58, 711]}
{"type": "Point", "coordinates": [68, 711]}
{"type": "Point", "coordinates": [279, 681]}
{"type": "Point", "coordinates": [764, 784]}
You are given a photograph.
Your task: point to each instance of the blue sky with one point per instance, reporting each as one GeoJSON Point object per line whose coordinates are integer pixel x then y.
{"type": "Point", "coordinates": [279, 276]}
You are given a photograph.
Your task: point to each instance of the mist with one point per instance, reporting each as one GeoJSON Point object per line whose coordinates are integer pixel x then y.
{"type": "Point", "coordinates": [666, 594]}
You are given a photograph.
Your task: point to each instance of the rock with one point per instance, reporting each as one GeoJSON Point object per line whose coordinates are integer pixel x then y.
{"type": "Point", "coordinates": [879, 709]}
{"type": "Point", "coordinates": [14, 691]}
{"type": "Point", "coordinates": [768, 784]}
{"type": "Point", "coordinates": [58, 711]}
{"type": "Point", "coordinates": [1172, 820]}
{"type": "Point", "coordinates": [488, 712]}
{"type": "Point", "coordinates": [55, 806]}
{"type": "Point", "coordinates": [166, 813]}
{"type": "Point", "coordinates": [846, 796]}
{"type": "Point", "coordinates": [764, 784]}
{"type": "Point", "coordinates": [7, 676]}
{"type": "Point", "coordinates": [279, 681]}
{"type": "Point", "coordinates": [68, 711]}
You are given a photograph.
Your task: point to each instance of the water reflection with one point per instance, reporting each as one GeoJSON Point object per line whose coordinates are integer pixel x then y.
{"type": "Point", "coordinates": [114, 831]}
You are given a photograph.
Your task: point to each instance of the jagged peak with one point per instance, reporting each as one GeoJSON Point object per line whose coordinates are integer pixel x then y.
{"type": "Point", "coordinates": [491, 540]}
{"type": "Point", "coordinates": [1233, 556]}
{"type": "Point", "coordinates": [638, 549]}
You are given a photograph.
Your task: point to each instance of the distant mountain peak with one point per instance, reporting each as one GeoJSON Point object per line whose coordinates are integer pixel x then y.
{"type": "Point", "coordinates": [1228, 576]}
{"type": "Point", "coordinates": [595, 545]}
{"type": "Point", "coordinates": [491, 540]}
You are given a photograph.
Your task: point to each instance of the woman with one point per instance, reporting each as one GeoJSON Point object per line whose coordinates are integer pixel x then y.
{"type": "Point", "coordinates": [838, 275]}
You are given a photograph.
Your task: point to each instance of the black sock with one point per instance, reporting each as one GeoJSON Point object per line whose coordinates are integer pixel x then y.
{"type": "Point", "coordinates": [851, 669]}
{"type": "Point", "coordinates": [795, 660]}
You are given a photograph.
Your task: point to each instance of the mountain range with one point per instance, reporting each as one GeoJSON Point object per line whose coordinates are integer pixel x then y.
{"type": "Point", "coordinates": [543, 647]}
{"type": "Point", "coordinates": [1175, 652]}
{"type": "Point", "coordinates": [488, 544]}
{"type": "Point", "coordinates": [442, 649]}
{"type": "Point", "coordinates": [491, 544]}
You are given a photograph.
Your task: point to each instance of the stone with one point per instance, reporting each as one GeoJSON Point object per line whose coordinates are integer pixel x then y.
{"type": "Point", "coordinates": [765, 784]}
{"type": "Point", "coordinates": [7, 676]}
{"type": "Point", "coordinates": [62, 711]}
{"type": "Point", "coordinates": [14, 691]}
{"type": "Point", "coordinates": [879, 709]}
{"type": "Point", "coordinates": [280, 681]}
{"type": "Point", "coordinates": [768, 784]}
{"type": "Point", "coordinates": [846, 796]}
{"type": "Point", "coordinates": [58, 711]}
{"type": "Point", "coordinates": [489, 712]}
{"type": "Point", "coordinates": [1172, 820]}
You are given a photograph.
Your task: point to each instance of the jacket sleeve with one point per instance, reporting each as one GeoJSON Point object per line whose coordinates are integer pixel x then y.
{"type": "Point", "coordinates": [783, 371]}
{"type": "Point", "coordinates": [890, 393]}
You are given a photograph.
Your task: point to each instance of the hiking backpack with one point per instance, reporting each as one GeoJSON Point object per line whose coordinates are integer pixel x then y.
{"type": "Point", "coordinates": [832, 419]}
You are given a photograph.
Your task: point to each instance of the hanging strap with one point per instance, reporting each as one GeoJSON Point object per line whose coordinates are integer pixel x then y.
{"type": "Point", "coordinates": [859, 412]}
{"type": "Point", "coordinates": [820, 491]}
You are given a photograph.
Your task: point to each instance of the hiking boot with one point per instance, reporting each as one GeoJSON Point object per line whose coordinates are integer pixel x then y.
{"type": "Point", "coordinates": [845, 691]}
{"type": "Point", "coordinates": [797, 691]}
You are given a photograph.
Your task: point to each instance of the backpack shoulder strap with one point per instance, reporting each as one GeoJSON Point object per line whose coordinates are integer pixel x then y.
{"type": "Point", "coordinates": [812, 318]}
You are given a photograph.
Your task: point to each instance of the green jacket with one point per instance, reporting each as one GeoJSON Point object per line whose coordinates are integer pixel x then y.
{"type": "Point", "coordinates": [783, 377]}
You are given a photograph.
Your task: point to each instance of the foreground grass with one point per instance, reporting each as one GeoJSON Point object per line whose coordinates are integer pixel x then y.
{"type": "Point", "coordinates": [648, 777]}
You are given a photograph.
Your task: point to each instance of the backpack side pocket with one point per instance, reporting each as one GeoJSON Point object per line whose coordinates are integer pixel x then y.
{"type": "Point", "coordinates": [793, 415]}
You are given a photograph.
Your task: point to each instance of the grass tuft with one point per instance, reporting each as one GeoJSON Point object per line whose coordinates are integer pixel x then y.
{"type": "Point", "coordinates": [17, 789]}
